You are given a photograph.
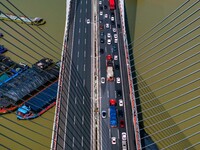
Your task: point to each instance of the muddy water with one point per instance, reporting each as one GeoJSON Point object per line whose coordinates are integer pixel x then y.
{"type": "Point", "coordinates": [34, 134]}
{"type": "Point", "coordinates": [163, 88]}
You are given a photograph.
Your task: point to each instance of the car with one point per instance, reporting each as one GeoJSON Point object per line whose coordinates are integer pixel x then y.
{"type": "Point", "coordinates": [124, 145]}
{"type": "Point", "coordinates": [112, 14]}
{"type": "Point", "coordinates": [112, 18]}
{"type": "Point", "coordinates": [103, 114]}
{"type": "Point", "coordinates": [101, 50]}
{"type": "Point", "coordinates": [123, 136]}
{"type": "Point", "coordinates": [119, 93]}
{"type": "Point", "coordinates": [113, 48]}
{"type": "Point", "coordinates": [116, 40]}
{"type": "Point", "coordinates": [106, 16]}
{"type": "Point", "coordinates": [121, 124]}
{"type": "Point", "coordinates": [114, 30]}
{"type": "Point", "coordinates": [101, 33]}
{"type": "Point", "coordinates": [120, 113]}
{"type": "Point", "coordinates": [118, 79]}
{"type": "Point", "coordinates": [108, 35]}
{"type": "Point", "coordinates": [105, 7]}
{"type": "Point", "coordinates": [100, 2]}
{"type": "Point", "coordinates": [101, 8]}
{"type": "Point", "coordinates": [115, 36]}
{"type": "Point", "coordinates": [102, 40]}
{"type": "Point", "coordinates": [101, 27]}
{"type": "Point", "coordinates": [109, 41]}
{"type": "Point", "coordinates": [115, 57]}
{"type": "Point", "coordinates": [120, 102]}
{"type": "Point", "coordinates": [107, 25]}
{"type": "Point", "coordinates": [113, 23]}
{"type": "Point", "coordinates": [114, 140]}
{"type": "Point", "coordinates": [88, 21]}
{"type": "Point", "coordinates": [101, 13]}
{"type": "Point", "coordinates": [118, 25]}
{"type": "Point", "coordinates": [117, 67]}
{"type": "Point", "coordinates": [103, 80]}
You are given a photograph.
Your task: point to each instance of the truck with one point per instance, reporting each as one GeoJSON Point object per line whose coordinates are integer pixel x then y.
{"type": "Point", "coordinates": [109, 68]}
{"type": "Point", "coordinates": [113, 113]}
{"type": "Point", "coordinates": [112, 4]}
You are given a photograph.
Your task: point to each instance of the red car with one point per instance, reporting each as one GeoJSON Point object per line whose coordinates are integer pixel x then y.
{"type": "Point", "coordinates": [122, 124]}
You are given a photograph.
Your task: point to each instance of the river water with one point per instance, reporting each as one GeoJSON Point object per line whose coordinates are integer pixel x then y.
{"type": "Point", "coordinates": [142, 15]}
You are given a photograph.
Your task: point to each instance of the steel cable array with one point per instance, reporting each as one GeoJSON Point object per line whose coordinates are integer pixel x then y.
{"type": "Point", "coordinates": [165, 67]}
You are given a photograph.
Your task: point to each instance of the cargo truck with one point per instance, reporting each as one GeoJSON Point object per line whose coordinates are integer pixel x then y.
{"type": "Point", "coordinates": [112, 4]}
{"type": "Point", "coordinates": [113, 113]}
{"type": "Point", "coordinates": [109, 68]}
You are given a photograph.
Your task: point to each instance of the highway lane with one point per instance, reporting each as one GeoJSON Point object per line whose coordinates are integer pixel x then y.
{"type": "Point", "coordinates": [79, 104]}
{"type": "Point", "coordinates": [109, 88]}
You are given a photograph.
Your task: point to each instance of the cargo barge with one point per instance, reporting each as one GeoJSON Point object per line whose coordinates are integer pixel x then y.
{"type": "Point", "coordinates": [21, 88]}
{"type": "Point", "coordinates": [38, 104]}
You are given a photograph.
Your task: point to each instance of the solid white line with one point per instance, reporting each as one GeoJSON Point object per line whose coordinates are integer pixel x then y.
{"type": "Point", "coordinates": [85, 41]}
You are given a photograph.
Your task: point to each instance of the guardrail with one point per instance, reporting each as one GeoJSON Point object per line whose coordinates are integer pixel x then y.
{"type": "Point", "coordinates": [130, 79]}
{"type": "Point", "coordinates": [64, 51]}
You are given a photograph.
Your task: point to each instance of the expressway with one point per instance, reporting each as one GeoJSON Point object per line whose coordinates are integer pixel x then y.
{"type": "Point", "coordinates": [77, 122]}
{"type": "Point", "coordinates": [109, 89]}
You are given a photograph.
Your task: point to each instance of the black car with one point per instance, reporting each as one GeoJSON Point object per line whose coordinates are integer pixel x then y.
{"type": "Point", "coordinates": [119, 93]}
{"type": "Point", "coordinates": [102, 40]}
{"type": "Point", "coordinates": [105, 7]}
{"type": "Point", "coordinates": [101, 8]}
{"type": "Point", "coordinates": [114, 48]}
{"type": "Point", "coordinates": [120, 113]}
{"type": "Point", "coordinates": [117, 67]}
{"type": "Point", "coordinates": [101, 50]}
{"type": "Point", "coordinates": [101, 34]}
{"type": "Point", "coordinates": [118, 25]}
{"type": "Point", "coordinates": [113, 22]}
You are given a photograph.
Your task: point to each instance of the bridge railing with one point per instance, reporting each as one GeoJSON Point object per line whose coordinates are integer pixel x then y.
{"type": "Point", "coordinates": [130, 79]}
{"type": "Point", "coordinates": [64, 51]}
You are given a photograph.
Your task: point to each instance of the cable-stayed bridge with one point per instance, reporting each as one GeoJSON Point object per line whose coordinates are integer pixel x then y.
{"type": "Point", "coordinates": [156, 75]}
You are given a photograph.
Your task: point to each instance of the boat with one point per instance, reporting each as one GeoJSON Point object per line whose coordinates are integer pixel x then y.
{"type": "Point", "coordinates": [1, 35]}
{"type": "Point", "coordinates": [39, 104]}
{"type": "Point", "coordinates": [3, 49]}
{"type": "Point", "coordinates": [22, 19]}
{"type": "Point", "coordinates": [21, 88]}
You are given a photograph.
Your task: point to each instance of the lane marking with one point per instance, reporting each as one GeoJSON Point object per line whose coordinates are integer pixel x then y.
{"type": "Point", "coordinates": [76, 83]}
{"type": "Point", "coordinates": [85, 30]}
{"type": "Point", "coordinates": [86, 10]}
{"type": "Point", "coordinates": [78, 41]}
{"type": "Point", "coordinates": [73, 142]}
{"type": "Point", "coordinates": [80, 10]}
{"type": "Point", "coordinates": [86, 1]}
{"type": "Point", "coordinates": [77, 67]}
{"type": "Point", "coordinates": [84, 67]}
{"type": "Point", "coordinates": [84, 53]}
{"type": "Point", "coordinates": [75, 101]}
{"type": "Point", "coordinates": [83, 82]}
{"type": "Point", "coordinates": [108, 94]}
{"type": "Point", "coordinates": [74, 119]}
{"type": "Point", "coordinates": [79, 30]}
{"type": "Point", "coordinates": [78, 54]}
{"type": "Point", "coordinates": [85, 41]}
{"type": "Point", "coordinates": [82, 119]}
{"type": "Point", "coordinates": [79, 19]}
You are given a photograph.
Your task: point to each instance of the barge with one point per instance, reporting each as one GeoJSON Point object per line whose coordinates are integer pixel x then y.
{"type": "Point", "coordinates": [39, 104]}
{"type": "Point", "coordinates": [21, 88]}
{"type": "Point", "coordinates": [22, 19]}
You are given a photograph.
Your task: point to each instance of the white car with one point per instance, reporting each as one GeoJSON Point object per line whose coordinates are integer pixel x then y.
{"type": "Point", "coordinates": [88, 21]}
{"type": "Point", "coordinates": [115, 36]}
{"type": "Point", "coordinates": [114, 140]}
{"type": "Point", "coordinates": [107, 25]}
{"type": "Point", "coordinates": [123, 136]}
{"type": "Point", "coordinates": [118, 79]}
{"type": "Point", "coordinates": [120, 102]}
{"type": "Point", "coordinates": [106, 15]}
{"type": "Point", "coordinates": [101, 13]}
{"type": "Point", "coordinates": [100, 2]}
{"type": "Point", "coordinates": [112, 18]}
{"type": "Point", "coordinates": [109, 41]}
{"type": "Point", "coordinates": [108, 35]}
{"type": "Point", "coordinates": [114, 29]}
{"type": "Point", "coordinates": [103, 80]}
{"type": "Point", "coordinates": [116, 40]}
{"type": "Point", "coordinates": [115, 57]}
{"type": "Point", "coordinates": [103, 114]}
